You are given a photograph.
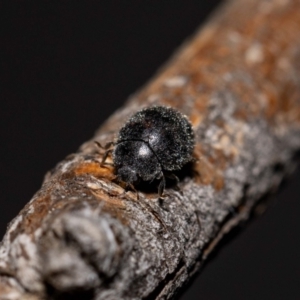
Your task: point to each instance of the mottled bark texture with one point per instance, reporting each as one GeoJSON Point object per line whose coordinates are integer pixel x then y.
{"type": "Point", "coordinates": [238, 81]}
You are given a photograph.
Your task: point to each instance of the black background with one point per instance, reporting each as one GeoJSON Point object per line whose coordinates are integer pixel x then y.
{"type": "Point", "coordinates": [65, 67]}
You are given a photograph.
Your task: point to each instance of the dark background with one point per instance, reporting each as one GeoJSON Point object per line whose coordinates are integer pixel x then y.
{"type": "Point", "coordinates": [65, 67]}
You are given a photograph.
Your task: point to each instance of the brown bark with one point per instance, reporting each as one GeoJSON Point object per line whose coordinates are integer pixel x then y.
{"type": "Point", "coordinates": [238, 82]}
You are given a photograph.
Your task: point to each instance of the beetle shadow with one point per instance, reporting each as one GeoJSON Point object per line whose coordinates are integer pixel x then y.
{"type": "Point", "coordinates": [151, 188]}
{"type": "Point", "coordinates": [187, 171]}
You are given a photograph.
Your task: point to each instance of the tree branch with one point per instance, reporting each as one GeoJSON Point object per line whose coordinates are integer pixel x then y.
{"type": "Point", "coordinates": [237, 81]}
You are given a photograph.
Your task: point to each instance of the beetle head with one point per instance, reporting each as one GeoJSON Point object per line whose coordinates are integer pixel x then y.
{"type": "Point", "coordinates": [127, 174]}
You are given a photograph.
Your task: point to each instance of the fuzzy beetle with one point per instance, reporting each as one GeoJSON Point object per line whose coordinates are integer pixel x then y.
{"type": "Point", "coordinates": [151, 145]}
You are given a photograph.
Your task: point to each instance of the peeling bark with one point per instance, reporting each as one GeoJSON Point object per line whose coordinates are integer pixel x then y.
{"type": "Point", "coordinates": [238, 82]}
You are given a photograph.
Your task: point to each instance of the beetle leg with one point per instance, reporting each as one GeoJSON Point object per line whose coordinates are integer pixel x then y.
{"type": "Point", "coordinates": [125, 186]}
{"type": "Point", "coordinates": [175, 178]}
{"type": "Point", "coordinates": [134, 189]}
{"type": "Point", "coordinates": [105, 155]}
{"type": "Point", "coordinates": [162, 186]}
{"type": "Point", "coordinates": [157, 216]}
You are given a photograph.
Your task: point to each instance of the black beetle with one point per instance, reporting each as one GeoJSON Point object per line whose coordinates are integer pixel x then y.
{"type": "Point", "coordinates": [151, 145]}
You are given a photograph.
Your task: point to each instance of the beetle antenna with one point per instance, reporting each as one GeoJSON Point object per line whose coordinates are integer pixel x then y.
{"type": "Point", "coordinates": [106, 146]}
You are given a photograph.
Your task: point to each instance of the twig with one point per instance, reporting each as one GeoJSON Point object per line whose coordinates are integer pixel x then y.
{"type": "Point", "coordinates": [238, 82]}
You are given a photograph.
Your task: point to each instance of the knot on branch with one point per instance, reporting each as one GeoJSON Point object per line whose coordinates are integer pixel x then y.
{"type": "Point", "coordinates": [82, 250]}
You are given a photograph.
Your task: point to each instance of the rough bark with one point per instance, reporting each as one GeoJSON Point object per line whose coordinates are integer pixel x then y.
{"type": "Point", "coordinates": [238, 81]}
